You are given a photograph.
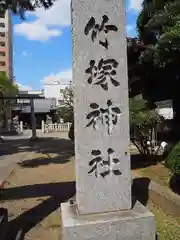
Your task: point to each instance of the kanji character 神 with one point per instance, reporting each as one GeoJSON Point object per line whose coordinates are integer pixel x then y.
{"type": "Point", "coordinates": [107, 116]}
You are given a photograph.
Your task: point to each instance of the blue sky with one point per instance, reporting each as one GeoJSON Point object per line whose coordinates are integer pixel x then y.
{"type": "Point", "coordinates": [42, 44]}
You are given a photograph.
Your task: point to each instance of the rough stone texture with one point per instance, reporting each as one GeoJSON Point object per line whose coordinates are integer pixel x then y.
{"type": "Point", "coordinates": [135, 224]}
{"type": "Point", "coordinates": [111, 193]}
{"type": "Point", "coordinates": [3, 223]}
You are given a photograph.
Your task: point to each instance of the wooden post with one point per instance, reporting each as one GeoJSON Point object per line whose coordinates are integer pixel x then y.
{"type": "Point", "coordinates": [33, 120]}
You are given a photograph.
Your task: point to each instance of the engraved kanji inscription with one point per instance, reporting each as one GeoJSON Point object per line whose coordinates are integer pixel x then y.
{"type": "Point", "coordinates": [96, 29]}
{"type": "Point", "coordinates": [104, 166]}
{"type": "Point", "coordinates": [102, 73]}
{"type": "Point", "coordinates": [107, 116]}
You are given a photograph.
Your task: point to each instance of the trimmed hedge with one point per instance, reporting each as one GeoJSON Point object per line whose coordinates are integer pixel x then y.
{"type": "Point", "coordinates": [173, 160]}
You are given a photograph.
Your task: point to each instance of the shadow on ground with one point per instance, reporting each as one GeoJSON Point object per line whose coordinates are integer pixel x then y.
{"type": "Point", "coordinates": [142, 193]}
{"type": "Point", "coordinates": [63, 148]}
{"type": "Point", "coordinates": [58, 192]}
{"type": "Point", "coordinates": [174, 184]}
{"type": "Point", "coordinates": [62, 158]}
{"type": "Point", "coordinates": [36, 190]}
{"type": "Point", "coordinates": [138, 161]}
{"type": "Point", "coordinates": [140, 190]}
{"type": "Point", "coordinates": [44, 145]}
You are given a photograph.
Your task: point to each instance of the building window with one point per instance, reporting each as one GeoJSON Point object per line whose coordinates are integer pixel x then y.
{"type": "Point", "coordinates": [2, 24]}
{"type": "Point", "coordinates": [2, 54]}
{"type": "Point", "coordinates": [2, 34]}
{"type": "Point", "coordinates": [2, 63]}
{"type": "Point", "coordinates": [2, 44]}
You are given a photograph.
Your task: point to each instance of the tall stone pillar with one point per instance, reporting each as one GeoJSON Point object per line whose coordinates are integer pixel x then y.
{"type": "Point", "coordinates": [103, 208]}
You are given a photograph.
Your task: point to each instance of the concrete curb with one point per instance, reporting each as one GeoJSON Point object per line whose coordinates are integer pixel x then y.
{"type": "Point", "coordinates": [161, 190]}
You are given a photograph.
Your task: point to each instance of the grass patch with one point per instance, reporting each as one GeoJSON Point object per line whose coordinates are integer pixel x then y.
{"type": "Point", "coordinates": [158, 173]}
{"type": "Point", "coordinates": [168, 226]}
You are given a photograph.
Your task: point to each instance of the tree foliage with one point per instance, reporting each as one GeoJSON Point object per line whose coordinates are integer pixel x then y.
{"type": "Point", "coordinates": [20, 6]}
{"type": "Point", "coordinates": [143, 122]}
{"type": "Point", "coordinates": [67, 95]}
{"type": "Point", "coordinates": [158, 25]}
{"type": "Point", "coordinates": [173, 160]}
{"type": "Point", "coordinates": [7, 89]}
{"type": "Point", "coordinates": [156, 52]}
{"type": "Point", "coordinates": [66, 111]}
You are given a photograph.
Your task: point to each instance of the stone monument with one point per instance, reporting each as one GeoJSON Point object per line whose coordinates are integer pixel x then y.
{"type": "Point", "coordinates": [103, 208]}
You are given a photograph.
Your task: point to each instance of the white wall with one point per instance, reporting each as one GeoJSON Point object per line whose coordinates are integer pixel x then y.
{"type": "Point", "coordinates": [53, 91]}
{"type": "Point", "coordinates": [165, 109]}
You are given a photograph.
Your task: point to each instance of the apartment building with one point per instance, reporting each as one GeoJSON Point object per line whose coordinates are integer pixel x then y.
{"type": "Point", "coordinates": [6, 56]}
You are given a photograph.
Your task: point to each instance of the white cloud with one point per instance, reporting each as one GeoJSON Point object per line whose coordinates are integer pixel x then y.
{"type": "Point", "coordinates": [26, 54]}
{"type": "Point", "coordinates": [135, 5]}
{"type": "Point", "coordinates": [131, 30]}
{"type": "Point", "coordinates": [57, 15]}
{"type": "Point", "coordinates": [24, 87]}
{"type": "Point", "coordinates": [36, 31]}
{"type": "Point", "coordinates": [47, 22]}
{"type": "Point", "coordinates": [63, 77]}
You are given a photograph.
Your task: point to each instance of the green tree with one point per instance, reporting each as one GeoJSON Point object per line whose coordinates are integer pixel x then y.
{"type": "Point", "coordinates": [143, 122]}
{"type": "Point", "coordinates": [20, 6]}
{"type": "Point", "coordinates": [136, 82]}
{"type": "Point", "coordinates": [68, 96]}
{"type": "Point", "coordinates": [66, 111]}
{"type": "Point", "coordinates": [172, 161]}
{"type": "Point", "coordinates": [7, 88]}
{"type": "Point", "coordinates": [158, 26]}
{"type": "Point", "coordinates": [159, 32]}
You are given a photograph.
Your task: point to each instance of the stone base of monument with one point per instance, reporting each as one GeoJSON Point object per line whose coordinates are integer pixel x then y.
{"type": "Point", "coordinates": [135, 224]}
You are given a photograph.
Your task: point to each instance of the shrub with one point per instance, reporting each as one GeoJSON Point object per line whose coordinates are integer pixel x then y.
{"type": "Point", "coordinates": [143, 122]}
{"type": "Point", "coordinates": [173, 160]}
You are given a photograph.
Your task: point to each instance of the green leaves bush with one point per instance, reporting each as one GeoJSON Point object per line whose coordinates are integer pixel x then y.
{"type": "Point", "coordinates": [143, 122]}
{"type": "Point", "coordinates": [173, 160]}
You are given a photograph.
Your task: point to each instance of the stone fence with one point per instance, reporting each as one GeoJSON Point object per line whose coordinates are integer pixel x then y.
{"type": "Point", "coordinates": [55, 127]}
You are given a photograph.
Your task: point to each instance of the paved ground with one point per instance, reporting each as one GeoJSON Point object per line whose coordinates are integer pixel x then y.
{"type": "Point", "coordinates": [34, 192]}
{"type": "Point", "coordinates": [43, 179]}
{"type": "Point", "coordinates": [10, 155]}
{"type": "Point", "coordinates": [17, 148]}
